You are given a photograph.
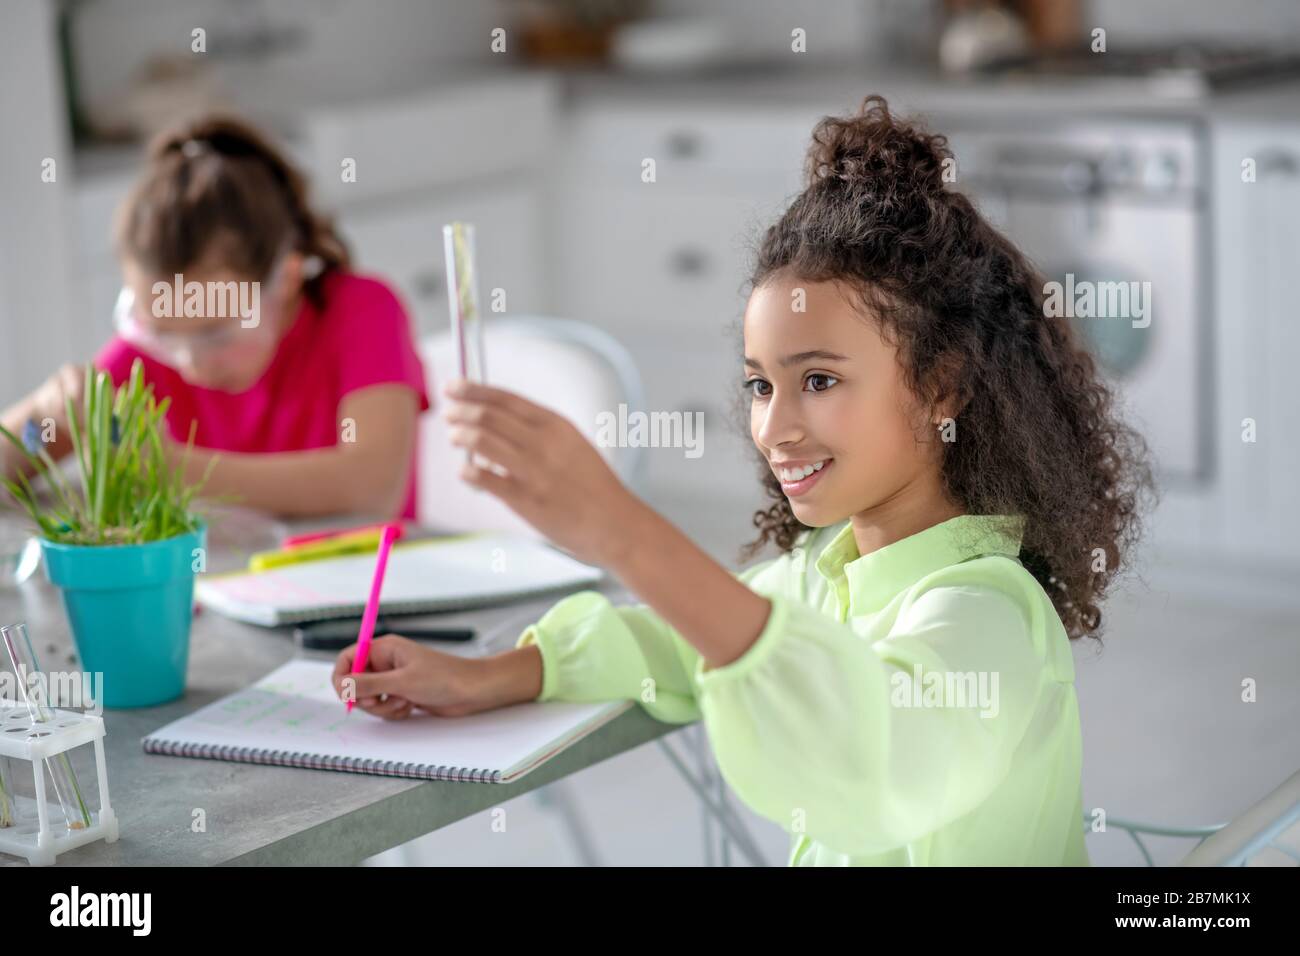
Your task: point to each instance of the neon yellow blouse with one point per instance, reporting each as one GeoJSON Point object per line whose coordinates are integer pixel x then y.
{"type": "Point", "coordinates": [911, 707]}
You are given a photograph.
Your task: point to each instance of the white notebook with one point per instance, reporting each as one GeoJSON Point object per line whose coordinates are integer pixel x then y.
{"type": "Point", "coordinates": [453, 574]}
{"type": "Point", "coordinates": [293, 718]}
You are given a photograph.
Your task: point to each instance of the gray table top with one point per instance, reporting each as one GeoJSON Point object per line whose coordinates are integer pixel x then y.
{"type": "Point", "coordinates": [278, 815]}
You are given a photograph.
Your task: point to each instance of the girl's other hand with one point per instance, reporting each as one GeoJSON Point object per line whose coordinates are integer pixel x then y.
{"type": "Point", "coordinates": [40, 421]}
{"type": "Point", "coordinates": [49, 401]}
{"type": "Point", "coordinates": [401, 675]}
{"type": "Point", "coordinates": [555, 479]}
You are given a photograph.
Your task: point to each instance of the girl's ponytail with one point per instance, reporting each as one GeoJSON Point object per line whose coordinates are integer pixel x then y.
{"type": "Point", "coordinates": [216, 179]}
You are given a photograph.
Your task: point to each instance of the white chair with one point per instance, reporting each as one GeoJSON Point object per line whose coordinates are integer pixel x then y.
{"type": "Point", "coordinates": [572, 368]}
{"type": "Point", "coordinates": [1263, 826]}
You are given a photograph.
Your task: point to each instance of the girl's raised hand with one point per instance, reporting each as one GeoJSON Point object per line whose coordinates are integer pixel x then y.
{"type": "Point", "coordinates": [555, 479]}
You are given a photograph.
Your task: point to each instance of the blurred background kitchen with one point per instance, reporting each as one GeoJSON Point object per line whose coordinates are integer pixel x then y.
{"type": "Point", "coordinates": [1169, 156]}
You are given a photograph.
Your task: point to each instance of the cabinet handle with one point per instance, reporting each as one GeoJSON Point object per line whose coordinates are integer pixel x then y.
{"type": "Point", "coordinates": [1065, 169]}
{"type": "Point", "coordinates": [427, 284]}
{"type": "Point", "coordinates": [1276, 162]}
{"type": "Point", "coordinates": [684, 144]}
{"type": "Point", "coordinates": [688, 263]}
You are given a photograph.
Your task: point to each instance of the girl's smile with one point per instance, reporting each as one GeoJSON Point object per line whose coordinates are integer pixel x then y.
{"type": "Point", "coordinates": [798, 477]}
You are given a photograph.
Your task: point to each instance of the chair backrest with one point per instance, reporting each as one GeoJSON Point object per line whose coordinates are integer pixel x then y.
{"type": "Point", "coordinates": [572, 368]}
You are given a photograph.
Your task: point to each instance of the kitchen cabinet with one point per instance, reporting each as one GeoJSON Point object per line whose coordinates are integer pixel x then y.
{"type": "Point", "coordinates": [663, 264]}
{"type": "Point", "coordinates": [647, 259]}
{"type": "Point", "coordinates": [402, 243]}
{"type": "Point", "coordinates": [428, 158]}
{"type": "Point", "coordinates": [486, 129]}
{"type": "Point", "coordinates": [38, 306]}
{"type": "Point", "coordinates": [1257, 338]}
{"type": "Point", "coordinates": [692, 142]}
{"type": "Point", "coordinates": [96, 200]}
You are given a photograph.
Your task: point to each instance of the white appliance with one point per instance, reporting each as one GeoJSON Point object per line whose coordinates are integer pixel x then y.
{"type": "Point", "coordinates": [1113, 208]}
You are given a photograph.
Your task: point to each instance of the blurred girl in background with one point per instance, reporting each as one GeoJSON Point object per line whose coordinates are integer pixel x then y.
{"type": "Point", "coordinates": [309, 399]}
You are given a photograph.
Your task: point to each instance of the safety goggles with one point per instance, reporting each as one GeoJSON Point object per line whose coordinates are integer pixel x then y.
{"type": "Point", "coordinates": [175, 347]}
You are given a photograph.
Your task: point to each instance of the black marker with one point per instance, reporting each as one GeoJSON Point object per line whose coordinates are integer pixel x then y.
{"type": "Point", "coordinates": [336, 635]}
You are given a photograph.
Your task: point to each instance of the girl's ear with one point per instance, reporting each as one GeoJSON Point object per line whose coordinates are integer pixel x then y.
{"type": "Point", "coordinates": [293, 271]}
{"type": "Point", "coordinates": [949, 387]}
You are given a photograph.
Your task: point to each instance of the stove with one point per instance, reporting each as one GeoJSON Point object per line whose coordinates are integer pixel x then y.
{"type": "Point", "coordinates": [1190, 69]}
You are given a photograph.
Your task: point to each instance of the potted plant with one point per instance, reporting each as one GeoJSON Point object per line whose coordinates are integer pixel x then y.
{"type": "Point", "coordinates": [123, 547]}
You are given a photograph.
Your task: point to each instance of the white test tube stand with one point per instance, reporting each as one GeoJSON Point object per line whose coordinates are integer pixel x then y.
{"type": "Point", "coordinates": [23, 739]}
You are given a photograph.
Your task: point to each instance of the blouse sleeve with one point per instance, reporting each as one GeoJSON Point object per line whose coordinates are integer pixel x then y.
{"type": "Point", "coordinates": [821, 731]}
{"type": "Point", "coordinates": [814, 727]}
{"type": "Point", "coordinates": [592, 651]}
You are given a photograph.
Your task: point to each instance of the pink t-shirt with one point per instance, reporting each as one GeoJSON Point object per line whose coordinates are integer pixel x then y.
{"type": "Point", "coordinates": [362, 337]}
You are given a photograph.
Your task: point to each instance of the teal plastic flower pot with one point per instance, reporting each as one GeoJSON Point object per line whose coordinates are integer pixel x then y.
{"type": "Point", "coordinates": [130, 608]}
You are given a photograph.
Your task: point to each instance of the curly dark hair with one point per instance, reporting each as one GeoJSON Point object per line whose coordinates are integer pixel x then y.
{"type": "Point", "coordinates": [1038, 436]}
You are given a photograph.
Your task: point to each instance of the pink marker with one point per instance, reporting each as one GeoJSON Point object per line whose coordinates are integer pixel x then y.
{"type": "Point", "coordinates": [372, 605]}
{"type": "Point", "coordinates": [298, 540]}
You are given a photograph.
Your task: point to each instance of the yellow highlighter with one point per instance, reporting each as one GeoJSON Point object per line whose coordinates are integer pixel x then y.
{"type": "Point", "coordinates": [360, 542]}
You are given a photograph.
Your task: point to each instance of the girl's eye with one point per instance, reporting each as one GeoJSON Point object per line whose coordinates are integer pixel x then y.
{"type": "Point", "coordinates": [819, 376]}
{"type": "Point", "coordinates": [756, 386]}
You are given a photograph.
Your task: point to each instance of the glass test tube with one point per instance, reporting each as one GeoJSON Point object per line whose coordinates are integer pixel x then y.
{"type": "Point", "coordinates": [22, 658]}
{"type": "Point", "coordinates": [8, 808]}
{"type": "Point", "coordinates": [462, 298]}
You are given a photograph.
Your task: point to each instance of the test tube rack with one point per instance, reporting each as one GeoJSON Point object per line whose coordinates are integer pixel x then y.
{"type": "Point", "coordinates": [23, 739]}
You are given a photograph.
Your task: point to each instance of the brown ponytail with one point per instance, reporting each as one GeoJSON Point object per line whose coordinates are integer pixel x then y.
{"type": "Point", "coordinates": [216, 182]}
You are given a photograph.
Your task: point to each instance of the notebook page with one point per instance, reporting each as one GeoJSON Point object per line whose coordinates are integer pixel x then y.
{"type": "Point", "coordinates": [295, 708]}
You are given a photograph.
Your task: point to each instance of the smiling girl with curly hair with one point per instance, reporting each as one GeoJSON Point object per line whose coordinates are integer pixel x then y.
{"type": "Point", "coordinates": [953, 494]}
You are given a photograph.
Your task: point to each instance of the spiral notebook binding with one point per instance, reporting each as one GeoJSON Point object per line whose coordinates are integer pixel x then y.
{"type": "Point", "coordinates": [309, 761]}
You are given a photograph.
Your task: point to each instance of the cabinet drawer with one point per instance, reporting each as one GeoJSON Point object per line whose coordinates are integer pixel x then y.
{"type": "Point", "coordinates": [434, 139]}
{"type": "Point", "coordinates": [687, 142]}
{"type": "Point", "coordinates": [647, 259]}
